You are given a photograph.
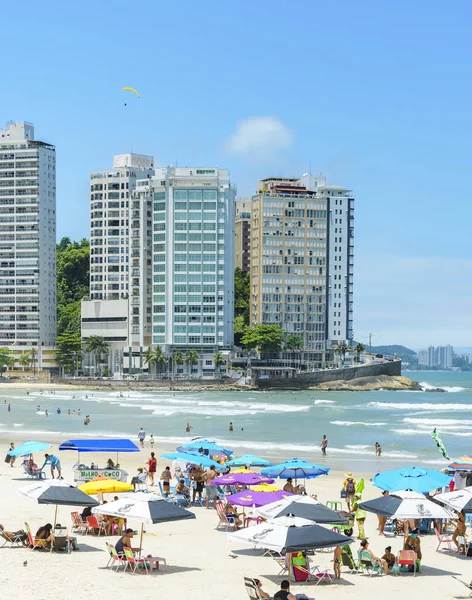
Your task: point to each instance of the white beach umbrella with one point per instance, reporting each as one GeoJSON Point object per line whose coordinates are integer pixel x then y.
{"type": "Point", "coordinates": [460, 500]}
{"type": "Point", "coordinates": [275, 508]}
{"type": "Point", "coordinates": [406, 505]}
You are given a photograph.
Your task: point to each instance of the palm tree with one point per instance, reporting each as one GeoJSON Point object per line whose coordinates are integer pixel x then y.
{"type": "Point", "coordinates": [343, 348]}
{"type": "Point", "coordinates": [154, 357]}
{"type": "Point", "coordinates": [359, 349]}
{"type": "Point", "coordinates": [177, 359]}
{"type": "Point", "coordinates": [191, 358]}
{"type": "Point", "coordinates": [25, 360]}
{"type": "Point", "coordinates": [96, 346]}
{"type": "Point", "coordinates": [218, 360]}
{"type": "Point", "coordinates": [34, 359]}
{"type": "Point", "coordinates": [149, 358]}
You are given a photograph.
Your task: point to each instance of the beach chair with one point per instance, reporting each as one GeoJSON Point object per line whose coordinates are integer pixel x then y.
{"type": "Point", "coordinates": [425, 526]}
{"type": "Point", "coordinates": [95, 526]}
{"type": "Point", "coordinates": [389, 525]}
{"type": "Point", "coordinates": [370, 567]}
{"type": "Point", "coordinates": [225, 520]}
{"type": "Point", "coordinates": [120, 562]}
{"type": "Point", "coordinates": [17, 540]}
{"type": "Point", "coordinates": [444, 538]}
{"type": "Point", "coordinates": [61, 541]}
{"type": "Point", "coordinates": [78, 524]}
{"type": "Point", "coordinates": [347, 560]}
{"type": "Point", "coordinates": [133, 562]}
{"type": "Point", "coordinates": [302, 570]}
{"type": "Point", "coordinates": [407, 558]}
{"type": "Point", "coordinates": [282, 563]}
{"type": "Point", "coordinates": [251, 589]}
{"type": "Point", "coordinates": [35, 544]}
{"type": "Point", "coordinates": [334, 505]}
{"type": "Point", "coordinates": [181, 500]}
{"type": "Point", "coordinates": [467, 585]}
{"type": "Point", "coordinates": [34, 473]}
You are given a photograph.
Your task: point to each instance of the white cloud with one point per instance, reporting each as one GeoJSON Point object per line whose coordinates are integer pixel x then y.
{"type": "Point", "coordinates": [260, 138]}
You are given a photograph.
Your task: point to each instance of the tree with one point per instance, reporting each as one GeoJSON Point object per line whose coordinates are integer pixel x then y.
{"type": "Point", "coordinates": [34, 359]}
{"type": "Point", "coordinates": [25, 360]}
{"type": "Point", "coordinates": [264, 338]}
{"type": "Point", "coordinates": [191, 358]}
{"type": "Point", "coordinates": [155, 357]}
{"type": "Point", "coordinates": [242, 292]}
{"type": "Point", "coordinates": [97, 347]}
{"type": "Point", "coordinates": [69, 351]}
{"type": "Point", "coordinates": [343, 348]}
{"type": "Point", "coordinates": [6, 360]}
{"type": "Point", "coordinates": [218, 360]}
{"type": "Point", "coordinates": [177, 359]}
{"type": "Point", "coordinates": [293, 343]}
{"type": "Point", "coordinates": [73, 259]}
{"type": "Point", "coordinates": [359, 349]}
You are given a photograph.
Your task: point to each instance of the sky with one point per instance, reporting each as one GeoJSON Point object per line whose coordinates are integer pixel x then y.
{"type": "Point", "coordinates": [374, 95]}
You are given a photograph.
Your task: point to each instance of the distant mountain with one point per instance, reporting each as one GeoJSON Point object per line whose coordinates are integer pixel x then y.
{"type": "Point", "coordinates": [406, 354]}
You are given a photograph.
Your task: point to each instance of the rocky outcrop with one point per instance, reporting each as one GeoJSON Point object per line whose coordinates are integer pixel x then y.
{"type": "Point", "coordinates": [367, 384]}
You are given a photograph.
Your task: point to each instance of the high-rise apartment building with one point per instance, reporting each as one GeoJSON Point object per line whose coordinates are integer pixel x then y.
{"type": "Point", "coordinates": [110, 193]}
{"type": "Point", "coordinates": [302, 258]}
{"type": "Point", "coordinates": [242, 234]}
{"type": "Point", "coordinates": [27, 241]}
{"type": "Point", "coordinates": [437, 356]}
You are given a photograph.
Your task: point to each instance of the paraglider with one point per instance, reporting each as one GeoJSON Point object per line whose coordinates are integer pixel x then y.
{"type": "Point", "coordinates": [439, 443]}
{"type": "Point", "coordinates": [130, 89]}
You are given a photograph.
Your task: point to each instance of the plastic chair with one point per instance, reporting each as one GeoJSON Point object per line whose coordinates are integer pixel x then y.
{"type": "Point", "coordinates": [347, 560]}
{"type": "Point", "coordinates": [365, 560]}
{"type": "Point", "coordinates": [444, 538]}
{"type": "Point", "coordinates": [407, 558]}
{"type": "Point", "coordinates": [33, 542]}
{"type": "Point", "coordinates": [334, 505]}
{"type": "Point", "coordinates": [95, 526]}
{"type": "Point", "coordinates": [134, 562]}
{"type": "Point", "coordinates": [120, 562]}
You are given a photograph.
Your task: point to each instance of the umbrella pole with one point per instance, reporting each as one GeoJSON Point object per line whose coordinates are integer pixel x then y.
{"type": "Point", "coordinates": [55, 516]}
{"type": "Point", "coordinates": [141, 538]}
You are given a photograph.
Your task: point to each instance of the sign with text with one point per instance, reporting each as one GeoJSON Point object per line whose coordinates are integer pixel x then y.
{"type": "Point", "coordinates": [88, 474]}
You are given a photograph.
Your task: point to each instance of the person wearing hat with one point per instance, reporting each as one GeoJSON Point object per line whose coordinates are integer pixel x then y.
{"type": "Point", "coordinates": [360, 516]}
{"type": "Point", "coordinates": [349, 487]}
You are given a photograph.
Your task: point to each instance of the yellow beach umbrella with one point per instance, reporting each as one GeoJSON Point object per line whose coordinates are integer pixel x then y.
{"type": "Point", "coordinates": [265, 487]}
{"type": "Point", "coordinates": [105, 486]}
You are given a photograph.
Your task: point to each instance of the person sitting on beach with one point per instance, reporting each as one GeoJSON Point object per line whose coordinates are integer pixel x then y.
{"type": "Point", "coordinates": [140, 478]}
{"type": "Point", "coordinates": [288, 487]}
{"type": "Point", "coordinates": [182, 489]}
{"type": "Point", "coordinates": [300, 490]}
{"type": "Point", "coordinates": [125, 540]}
{"type": "Point", "coordinates": [388, 557]}
{"type": "Point", "coordinates": [413, 542]}
{"type": "Point", "coordinates": [375, 560]}
{"type": "Point", "coordinates": [15, 536]}
{"type": "Point", "coordinates": [460, 528]}
{"type": "Point", "coordinates": [284, 592]}
{"type": "Point", "coordinates": [45, 533]}
{"type": "Point", "coordinates": [87, 512]}
{"type": "Point", "coordinates": [260, 591]}
{"type": "Point", "coordinates": [72, 540]}
{"type": "Point", "coordinates": [230, 511]}
{"type": "Point", "coordinates": [166, 476]}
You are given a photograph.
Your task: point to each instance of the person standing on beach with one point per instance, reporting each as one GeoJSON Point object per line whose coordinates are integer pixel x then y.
{"type": "Point", "coordinates": [152, 463]}
{"type": "Point", "coordinates": [166, 476]}
{"type": "Point", "coordinates": [360, 517]}
{"type": "Point", "coordinates": [55, 464]}
{"type": "Point", "coordinates": [11, 459]}
{"type": "Point", "coordinates": [337, 562]}
{"type": "Point", "coordinates": [349, 487]}
{"type": "Point", "coordinates": [324, 445]}
{"type": "Point", "coordinates": [141, 437]}
{"type": "Point", "coordinates": [211, 489]}
{"type": "Point", "coordinates": [151, 440]}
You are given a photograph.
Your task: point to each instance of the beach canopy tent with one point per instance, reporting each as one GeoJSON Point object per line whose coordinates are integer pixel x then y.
{"type": "Point", "coordinates": [295, 469]}
{"type": "Point", "coordinates": [250, 498]}
{"type": "Point", "coordinates": [406, 505]}
{"type": "Point", "coordinates": [211, 447]}
{"type": "Point", "coordinates": [30, 447]}
{"type": "Point", "coordinates": [249, 460]}
{"type": "Point", "coordinates": [242, 479]}
{"type": "Point", "coordinates": [416, 479]}
{"type": "Point", "coordinates": [302, 507]}
{"type": "Point", "coordinates": [108, 445]}
{"type": "Point", "coordinates": [193, 458]}
{"type": "Point", "coordinates": [57, 492]}
{"type": "Point", "coordinates": [460, 500]}
{"type": "Point", "coordinates": [464, 463]}
{"type": "Point", "coordinates": [290, 534]}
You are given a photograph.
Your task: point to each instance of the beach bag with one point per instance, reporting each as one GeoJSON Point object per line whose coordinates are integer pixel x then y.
{"type": "Point", "coordinates": [7, 458]}
{"type": "Point", "coordinates": [350, 488]}
{"type": "Point", "coordinates": [343, 493]}
{"type": "Point", "coordinates": [396, 569]}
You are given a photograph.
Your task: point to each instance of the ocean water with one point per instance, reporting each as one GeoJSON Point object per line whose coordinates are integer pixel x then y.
{"type": "Point", "coordinates": [276, 425]}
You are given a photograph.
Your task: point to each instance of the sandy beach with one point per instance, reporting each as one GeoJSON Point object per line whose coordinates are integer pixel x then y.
{"type": "Point", "coordinates": [199, 559]}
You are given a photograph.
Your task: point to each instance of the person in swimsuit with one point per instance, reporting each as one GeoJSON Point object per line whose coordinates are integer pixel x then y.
{"type": "Point", "coordinates": [196, 475]}
{"type": "Point", "coordinates": [211, 489]}
{"type": "Point", "coordinates": [284, 592]}
{"type": "Point", "coordinates": [460, 528]}
{"type": "Point", "coordinates": [188, 427]}
{"type": "Point", "coordinates": [152, 463]}
{"type": "Point", "coordinates": [125, 540]}
{"type": "Point", "coordinates": [166, 476]}
{"type": "Point", "coordinates": [324, 445]}
{"type": "Point", "coordinates": [337, 562]}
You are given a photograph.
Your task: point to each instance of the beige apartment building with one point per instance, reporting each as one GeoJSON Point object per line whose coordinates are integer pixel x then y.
{"type": "Point", "coordinates": [301, 261]}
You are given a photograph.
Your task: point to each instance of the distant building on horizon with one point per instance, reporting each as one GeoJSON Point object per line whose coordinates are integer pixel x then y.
{"type": "Point", "coordinates": [302, 261]}
{"type": "Point", "coordinates": [27, 243]}
{"type": "Point", "coordinates": [437, 356]}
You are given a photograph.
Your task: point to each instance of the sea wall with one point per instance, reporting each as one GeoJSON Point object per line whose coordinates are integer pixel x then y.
{"type": "Point", "coordinates": [308, 379]}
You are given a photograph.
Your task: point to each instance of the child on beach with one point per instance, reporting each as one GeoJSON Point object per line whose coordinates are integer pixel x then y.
{"type": "Point", "coordinates": [337, 562]}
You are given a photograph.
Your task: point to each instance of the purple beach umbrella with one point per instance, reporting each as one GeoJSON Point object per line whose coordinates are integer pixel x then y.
{"type": "Point", "coordinates": [248, 498]}
{"type": "Point", "coordinates": [242, 479]}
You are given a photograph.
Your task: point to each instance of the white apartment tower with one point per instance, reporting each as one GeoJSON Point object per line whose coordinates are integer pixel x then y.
{"type": "Point", "coordinates": [27, 240]}
{"type": "Point", "coordinates": [302, 258]}
{"type": "Point", "coordinates": [110, 192]}
{"type": "Point", "coordinates": [189, 258]}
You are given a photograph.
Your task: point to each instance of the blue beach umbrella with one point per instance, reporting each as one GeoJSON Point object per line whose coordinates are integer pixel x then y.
{"type": "Point", "coordinates": [249, 459]}
{"type": "Point", "coordinates": [295, 468]}
{"type": "Point", "coordinates": [30, 447]}
{"type": "Point", "coordinates": [205, 445]}
{"type": "Point", "coordinates": [417, 479]}
{"type": "Point", "coordinates": [192, 458]}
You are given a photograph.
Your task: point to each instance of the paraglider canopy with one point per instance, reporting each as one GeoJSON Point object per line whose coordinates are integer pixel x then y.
{"type": "Point", "coordinates": [130, 89]}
